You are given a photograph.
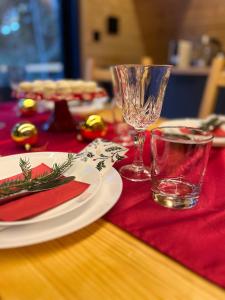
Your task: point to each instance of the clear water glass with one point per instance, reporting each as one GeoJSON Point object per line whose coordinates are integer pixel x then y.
{"type": "Point", "coordinates": [142, 89]}
{"type": "Point", "coordinates": [179, 160]}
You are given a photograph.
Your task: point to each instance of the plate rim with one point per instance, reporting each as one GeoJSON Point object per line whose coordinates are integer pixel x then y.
{"type": "Point", "coordinates": [217, 141]}
{"type": "Point", "coordinates": [72, 227]}
{"type": "Point", "coordinates": [35, 221]}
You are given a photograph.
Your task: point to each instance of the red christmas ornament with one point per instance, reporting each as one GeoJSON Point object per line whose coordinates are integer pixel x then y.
{"type": "Point", "coordinates": [27, 107]}
{"type": "Point", "coordinates": [94, 127]}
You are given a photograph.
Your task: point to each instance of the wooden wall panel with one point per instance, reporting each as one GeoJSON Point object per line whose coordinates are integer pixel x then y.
{"type": "Point", "coordinates": [158, 21]}
{"type": "Point", "coordinates": [126, 47]}
{"type": "Point", "coordinates": [163, 20]}
{"type": "Point", "coordinates": [204, 16]}
{"type": "Point", "coordinates": [147, 26]}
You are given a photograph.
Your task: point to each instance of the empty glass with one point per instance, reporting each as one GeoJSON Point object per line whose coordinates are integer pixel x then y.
{"type": "Point", "coordinates": [142, 91]}
{"type": "Point", "coordinates": [180, 156]}
{"type": "Point", "coordinates": [122, 129]}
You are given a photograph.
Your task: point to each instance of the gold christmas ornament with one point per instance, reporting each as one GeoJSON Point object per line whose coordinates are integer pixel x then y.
{"type": "Point", "coordinates": [27, 107]}
{"type": "Point", "coordinates": [25, 134]}
{"type": "Point", "coordinates": [93, 127]}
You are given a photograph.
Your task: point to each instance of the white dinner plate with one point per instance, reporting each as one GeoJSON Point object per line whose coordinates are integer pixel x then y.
{"type": "Point", "coordinates": [79, 107]}
{"type": "Point", "coordinates": [195, 123]}
{"type": "Point", "coordinates": [92, 210]}
{"type": "Point", "coordinates": [82, 172]}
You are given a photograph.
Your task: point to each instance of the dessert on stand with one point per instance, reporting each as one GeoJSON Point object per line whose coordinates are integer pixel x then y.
{"type": "Point", "coordinates": [60, 93]}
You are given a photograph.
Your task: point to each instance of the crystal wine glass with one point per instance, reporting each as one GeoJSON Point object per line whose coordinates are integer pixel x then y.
{"type": "Point", "coordinates": [142, 90]}
{"type": "Point", "coordinates": [122, 129]}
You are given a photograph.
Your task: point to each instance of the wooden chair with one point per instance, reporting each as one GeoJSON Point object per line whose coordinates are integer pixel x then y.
{"type": "Point", "coordinates": [146, 60]}
{"type": "Point", "coordinates": [216, 79]}
{"type": "Point", "coordinates": [93, 72]}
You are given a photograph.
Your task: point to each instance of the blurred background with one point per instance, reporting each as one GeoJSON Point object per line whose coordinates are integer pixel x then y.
{"type": "Point", "coordinates": [55, 39]}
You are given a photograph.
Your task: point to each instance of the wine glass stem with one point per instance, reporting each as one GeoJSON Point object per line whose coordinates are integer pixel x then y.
{"type": "Point", "coordinates": [139, 140]}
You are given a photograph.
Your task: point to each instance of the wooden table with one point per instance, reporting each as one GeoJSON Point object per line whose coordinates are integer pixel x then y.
{"type": "Point", "coordinates": [98, 262]}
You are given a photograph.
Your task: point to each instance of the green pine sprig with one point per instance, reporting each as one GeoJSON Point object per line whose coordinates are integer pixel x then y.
{"type": "Point", "coordinates": [44, 181]}
{"type": "Point", "coordinates": [25, 166]}
{"type": "Point", "coordinates": [211, 124]}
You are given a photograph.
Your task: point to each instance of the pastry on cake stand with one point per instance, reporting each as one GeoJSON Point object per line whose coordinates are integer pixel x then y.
{"type": "Point", "coordinates": [60, 93]}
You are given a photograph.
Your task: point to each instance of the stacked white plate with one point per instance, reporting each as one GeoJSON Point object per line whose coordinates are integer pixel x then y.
{"type": "Point", "coordinates": [195, 123]}
{"type": "Point", "coordinates": [103, 192]}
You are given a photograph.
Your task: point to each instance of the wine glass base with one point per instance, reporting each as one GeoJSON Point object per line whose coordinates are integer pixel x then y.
{"type": "Point", "coordinates": [134, 173]}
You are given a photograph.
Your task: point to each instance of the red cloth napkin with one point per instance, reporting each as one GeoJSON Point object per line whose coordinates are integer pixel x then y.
{"type": "Point", "coordinates": [219, 132]}
{"type": "Point", "coordinates": [34, 204]}
{"type": "Point", "coordinates": [194, 237]}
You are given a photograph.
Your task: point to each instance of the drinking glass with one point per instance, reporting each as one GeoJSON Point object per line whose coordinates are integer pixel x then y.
{"type": "Point", "coordinates": [123, 131]}
{"type": "Point", "coordinates": [180, 156]}
{"type": "Point", "coordinates": [142, 89]}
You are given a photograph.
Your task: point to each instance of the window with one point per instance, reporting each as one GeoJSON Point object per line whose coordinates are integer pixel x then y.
{"type": "Point", "coordinates": [30, 39]}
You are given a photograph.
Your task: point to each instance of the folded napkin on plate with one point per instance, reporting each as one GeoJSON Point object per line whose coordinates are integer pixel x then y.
{"type": "Point", "coordinates": [214, 123]}
{"type": "Point", "coordinates": [100, 154]}
{"type": "Point", "coordinates": [37, 203]}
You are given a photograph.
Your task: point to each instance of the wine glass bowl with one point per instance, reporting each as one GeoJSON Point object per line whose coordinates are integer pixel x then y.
{"type": "Point", "coordinates": [123, 131]}
{"type": "Point", "coordinates": [142, 90]}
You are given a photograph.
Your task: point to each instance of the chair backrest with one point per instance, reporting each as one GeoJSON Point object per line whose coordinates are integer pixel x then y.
{"type": "Point", "coordinates": [93, 72]}
{"type": "Point", "coordinates": [146, 60]}
{"type": "Point", "coordinates": [215, 80]}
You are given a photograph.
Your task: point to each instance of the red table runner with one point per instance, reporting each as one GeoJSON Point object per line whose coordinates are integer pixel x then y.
{"type": "Point", "coordinates": [195, 237]}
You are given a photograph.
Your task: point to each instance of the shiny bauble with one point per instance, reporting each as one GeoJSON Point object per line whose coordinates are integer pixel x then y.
{"type": "Point", "coordinates": [93, 127]}
{"type": "Point", "coordinates": [25, 134]}
{"type": "Point", "coordinates": [27, 107]}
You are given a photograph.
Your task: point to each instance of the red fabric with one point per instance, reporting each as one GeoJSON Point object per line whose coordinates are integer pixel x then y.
{"type": "Point", "coordinates": [195, 237]}
{"type": "Point", "coordinates": [219, 132]}
{"type": "Point", "coordinates": [34, 204]}
{"type": "Point", "coordinates": [46, 141]}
